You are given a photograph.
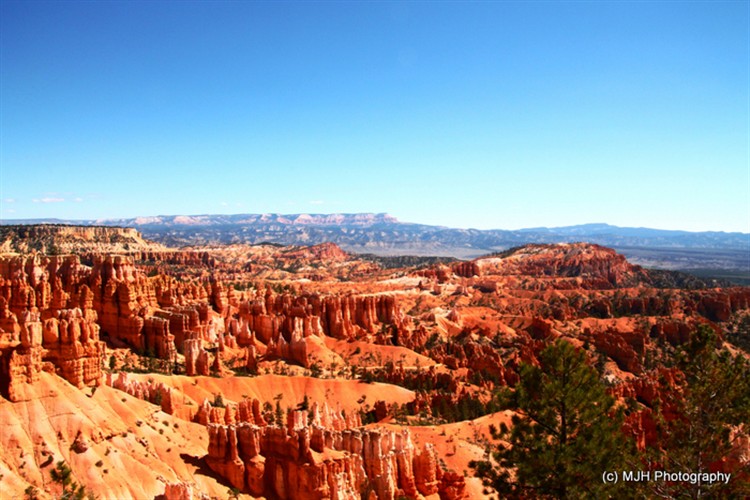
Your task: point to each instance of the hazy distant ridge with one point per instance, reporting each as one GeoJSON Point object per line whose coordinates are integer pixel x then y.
{"type": "Point", "coordinates": [373, 232]}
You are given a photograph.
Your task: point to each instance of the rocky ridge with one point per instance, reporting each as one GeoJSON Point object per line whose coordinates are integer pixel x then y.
{"type": "Point", "coordinates": [65, 239]}
{"type": "Point", "coordinates": [320, 454]}
{"type": "Point", "coordinates": [384, 235]}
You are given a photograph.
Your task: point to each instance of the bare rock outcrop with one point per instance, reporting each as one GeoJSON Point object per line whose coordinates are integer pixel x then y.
{"type": "Point", "coordinates": [73, 346]}
{"type": "Point", "coordinates": [597, 266]}
{"type": "Point", "coordinates": [21, 364]}
{"type": "Point", "coordinates": [182, 491]}
{"type": "Point", "coordinates": [59, 238]}
{"type": "Point", "coordinates": [197, 359]}
{"type": "Point", "coordinates": [153, 392]}
{"type": "Point", "coordinates": [352, 316]}
{"type": "Point", "coordinates": [306, 460]}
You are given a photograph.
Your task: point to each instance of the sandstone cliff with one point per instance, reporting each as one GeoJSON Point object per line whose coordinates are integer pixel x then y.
{"type": "Point", "coordinates": [316, 456]}
{"type": "Point", "coordinates": [67, 239]}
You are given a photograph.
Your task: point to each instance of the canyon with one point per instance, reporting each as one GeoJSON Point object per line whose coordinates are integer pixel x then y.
{"type": "Point", "coordinates": [305, 372]}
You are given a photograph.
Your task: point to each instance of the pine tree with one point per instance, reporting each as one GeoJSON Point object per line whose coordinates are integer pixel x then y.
{"type": "Point", "coordinates": [566, 432]}
{"type": "Point", "coordinates": [71, 490]}
{"type": "Point", "coordinates": [279, 413]}
{"type": "Point", "coordinates": [703, 420]}
{"type": "Point", "coordinates": [305, 404]}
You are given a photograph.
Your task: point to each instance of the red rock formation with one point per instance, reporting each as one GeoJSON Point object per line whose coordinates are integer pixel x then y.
{"type": "Point", "coordinates": [353, 316]}
{"type": "Point", "coordinates": [182, 491]}
{"type": "Point", "coordinates": [305, 460]}
{"type": "Point", "coordinates": [21, 363]}
{"type": "Point", "coordinates": [154, 392]}
{"type": "Point", "coordinates": [197, 360]}
{"type": "Point", "coordinates": [321, 252]}
{"type": "Point", "coordinates": [718, 305]}
{"type": "Point", "coordinates": [170, 292]}
{"type": "Point", "coordinates": [482, 359]}
{"type": "Point", "coordinates": [251, 363]}
{"type": "Point", "coordinates": [184, 321]}
{"type": "Point", "coordinates": [427, 470]}
{"type": "Point", "coordinates": [156, 338]}
{"type": "Point", "coordinates": [466, 269]}
{"type": "Point", "coordinates": [625, 348]}
{"type": "Point", "coordinates": [246, 411]}
{"type": "Point", "coordinates": [647, 390]}
{"type": "Point", "coordinates": [284, 322]}
{"type": "Point", "coordinates": [295, 350]}
{"type": "Point", "coordinates": [452, 486]}
{"type": "Point", "coordinates": [599, 267]}
{"type": "Point", "coordinates": [69, 338]}
{"type": "Point", "coordinates": [9, 321]}
{"type": "Point", "coordinates": [529, 297]}
{"type": "Point", "coordinates": [176, 257]}
{"type": "Point", "coordinates": [224, 454]}
{"type": "Point", "coordinates": [674, 332]}
{"type": "Point", "coordinates": [270, 316]}
{"type": "Point", "coordinates": [72, 343]}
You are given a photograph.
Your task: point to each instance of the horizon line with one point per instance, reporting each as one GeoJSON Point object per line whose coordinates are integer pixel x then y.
{"type": "Point", "coordinates": [101, 220]}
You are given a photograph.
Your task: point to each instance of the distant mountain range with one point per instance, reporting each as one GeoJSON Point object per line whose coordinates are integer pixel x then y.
{"type": "Point", "coordinates": [383, 234]}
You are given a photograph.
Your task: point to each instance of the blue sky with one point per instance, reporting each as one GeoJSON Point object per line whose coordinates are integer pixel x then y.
{"type": "Point", "coordinates": [487, 115]}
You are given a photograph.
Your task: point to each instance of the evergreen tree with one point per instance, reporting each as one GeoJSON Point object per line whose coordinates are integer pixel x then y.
{"type": "Point", "coordinates": [279, 413]}
{"type": "Point", "coordinates": [71, 490]}
{"type": "Point", "coordinates": [268, 413]}
{"type": "Point", "coordinates": [703, 420]}
{"type": "Point", "coordinates": [305, 404]}
{"type": "Point", "coordinates": [218, 401]}
{"type": "Point", "coordinates": [566, 432]}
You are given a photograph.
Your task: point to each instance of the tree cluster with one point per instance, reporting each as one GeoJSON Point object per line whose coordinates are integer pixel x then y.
{"type": "Point", "coordinates": [567, 431]}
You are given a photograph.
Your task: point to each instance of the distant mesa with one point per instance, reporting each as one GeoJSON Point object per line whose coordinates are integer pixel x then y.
{"type": "Point", "coordinates": [65, 239]}
{"type": "Point", "coordinates": [359, 219]}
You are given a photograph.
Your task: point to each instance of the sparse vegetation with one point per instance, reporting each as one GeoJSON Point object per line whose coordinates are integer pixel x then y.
{"type": "Point", "coordinates": [315, 370]}
{"type": "Point", "coordinates": [218, 401]}
{"type": "Point", "coordinates": [62, 475]}
{"type": "Point", "coordinates": [31, 493]}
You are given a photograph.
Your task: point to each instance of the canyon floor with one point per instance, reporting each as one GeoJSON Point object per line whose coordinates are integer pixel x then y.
{"type": "Point", "coordinates": [292, 372]}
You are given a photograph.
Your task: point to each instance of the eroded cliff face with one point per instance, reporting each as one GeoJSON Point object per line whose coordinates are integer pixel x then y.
{"type": "Point", "coordinates": [66, 239]}
{"type": "Point", "coordinates": [45, 325]}
{"type": "Point", "coordinates": [322, 455]}
{"type": "Point", "coordinates": [596, 266]}
{"type": "Point", "coordinates": [153, 392]}
{"type": "Point", "coordinates": [61, 307]}
{"type": "Point", "coordinates": [21, 361]}
{"type": "Point", "coordinates": [159, 316]}
{"type": "Point", "coordinates": [270, 316]}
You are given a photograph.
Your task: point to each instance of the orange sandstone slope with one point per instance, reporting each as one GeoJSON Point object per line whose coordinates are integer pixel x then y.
{"type": "Point", "coordinates": [116, 445]}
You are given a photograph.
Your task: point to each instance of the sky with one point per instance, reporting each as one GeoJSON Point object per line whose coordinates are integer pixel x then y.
{"type": "Point", "coordinates": [486, 115]}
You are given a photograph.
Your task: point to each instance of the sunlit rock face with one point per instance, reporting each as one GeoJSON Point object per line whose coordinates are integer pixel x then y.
{"type": "Point", "coordinates": [299, 372]}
